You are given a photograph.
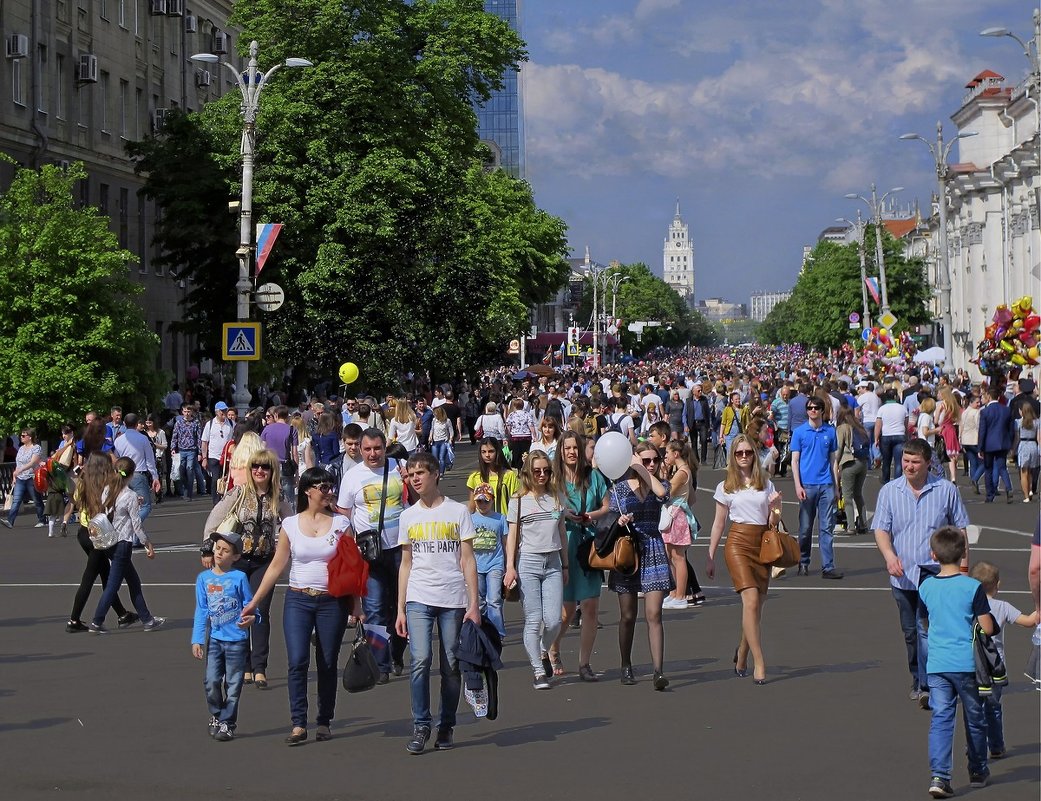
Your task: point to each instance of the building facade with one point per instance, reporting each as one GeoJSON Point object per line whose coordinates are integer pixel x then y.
{"type": "Point", "coordinates": [762, 303]}
{"type": "Point", "coordinates": [82, 78]}
{"type": "Point", "coordinates": [721, 310]}
{"type": "Point", "coordinates": [678, 258]}
{"type": "Point", "coordinates": [500, 121]}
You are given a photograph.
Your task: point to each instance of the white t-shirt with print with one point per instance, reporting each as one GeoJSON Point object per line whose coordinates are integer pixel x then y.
{"type": "Point", "coordinates": [361, 490]}
{"type": "Point", "coordinates": [435, 536]}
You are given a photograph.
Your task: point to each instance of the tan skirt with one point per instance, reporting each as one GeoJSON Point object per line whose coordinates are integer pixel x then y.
{"type": "Point", "coordinates": [742, 556]}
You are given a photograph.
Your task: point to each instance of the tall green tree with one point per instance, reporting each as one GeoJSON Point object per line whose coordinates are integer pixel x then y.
{"type": "Point", "coordinates": [71, 331]}
{"type": "Point", "coordinates": [828, 290]}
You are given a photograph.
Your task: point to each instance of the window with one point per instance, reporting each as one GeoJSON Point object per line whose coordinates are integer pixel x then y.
{"type": "Point", "coordinates": [121, 13]}
{"type": "Point", "coordinates": [124, 90]}
{"type": "Point", "coordinates": [84, 191]}
{"type": "Point", "coordinates": [41, 101]}
{"type": "Point", "coordinates": [103, 101]}
{"type": "Point", "coordinates": [17, 91]}
{"type": "Point", "coordinates": [139, 112]}
{"type": "Point", "coordinates": [59, 87]}
{"type": "Point", "coordinates": [103, 198]}
{"type": "Point", "coordinates": [103, 4]}
{"type": "Point", "coordinates": [158, 220]}
{"type": "Point", "coordinates": [124, 218]}
{"type": "Point", "coordinates": [142, 244]}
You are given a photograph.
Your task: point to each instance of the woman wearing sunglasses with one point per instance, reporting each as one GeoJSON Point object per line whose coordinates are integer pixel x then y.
{"type": "Point", "coordinates": [306, 543]}
{"type": "Point", "coordinates": [638, 497]}
{"type": "Point", "coordinates": [748, 499]}
{"type": "Point", "coordinates": [537, 556]}
{"type": "Point", "coordinates": [257, 513]}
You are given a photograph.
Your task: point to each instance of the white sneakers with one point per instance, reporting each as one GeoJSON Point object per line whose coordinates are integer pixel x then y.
{"type": "Point", "coordinates": [675, 603]}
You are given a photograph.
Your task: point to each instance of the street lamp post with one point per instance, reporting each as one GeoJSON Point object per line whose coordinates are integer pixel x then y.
{"type": "Point", "coordinates": [861, 229]}
{"type": "Point", "coordinates": [875, 204]}
{"type": "Point", "coordinates": [1032, 50]}
{"type": "Point", "coordinates": [250, 83]}
{"type": "Point", "coordinates": [940, 152]}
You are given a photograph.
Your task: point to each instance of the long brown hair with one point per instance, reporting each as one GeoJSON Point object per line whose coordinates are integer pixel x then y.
{"type": "Point", "coordinates": [1027, 417]}
{"type": "Point", "coordinates": [527, 479]}
{"type": "Point", "coordinates": [848, 417]}
{"type": "Point", "coordinates": [583, 469]}
{"type": "Point", "coordinates": [734, 481]}
{"type": "Point", "coordinates": [98, 475]}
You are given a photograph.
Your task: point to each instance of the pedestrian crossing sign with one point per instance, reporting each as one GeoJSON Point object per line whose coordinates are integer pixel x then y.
{"type": "Point", "coordinates": [241, 342]}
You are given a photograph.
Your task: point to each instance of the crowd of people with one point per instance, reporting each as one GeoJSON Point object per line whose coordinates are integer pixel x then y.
{"type": "Point", "coordinates": [288, 483]}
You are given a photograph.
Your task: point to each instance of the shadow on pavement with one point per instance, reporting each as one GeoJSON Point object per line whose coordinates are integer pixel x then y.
{"type": "Point", "coordinates": [41, 723]}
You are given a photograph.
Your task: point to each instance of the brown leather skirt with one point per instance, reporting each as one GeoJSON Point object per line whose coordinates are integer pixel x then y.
{"type": "Point", "coordinates": [742, 555]}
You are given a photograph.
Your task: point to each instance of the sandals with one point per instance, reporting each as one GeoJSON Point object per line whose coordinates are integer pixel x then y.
{"type": "Point", "coordinates": [558, 666]}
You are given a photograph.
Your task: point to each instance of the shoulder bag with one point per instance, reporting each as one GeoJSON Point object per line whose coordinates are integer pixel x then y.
{"type": "Point", "coordinates": [512, 593]}
{"type": "Point", "coordinates": [370, 542]}
{"type": "Point", "coordinates": [779, 548]}
{"type": "Point", "coordinates": [361, 671]}
{"type": "Point", "coordinates": [231, 524]}
{"type": "Point", "coordinates": [614, 547]}
{"type": "Point", "coordinates": [289, 466]}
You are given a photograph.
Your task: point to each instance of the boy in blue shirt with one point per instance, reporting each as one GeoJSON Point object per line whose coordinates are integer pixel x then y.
{"type": "Point", "coordinates": [220, 594]}
{"type": "Point", "coordinates": [491, 558]}
{"type": "Point", "coordinates": [952, 602]}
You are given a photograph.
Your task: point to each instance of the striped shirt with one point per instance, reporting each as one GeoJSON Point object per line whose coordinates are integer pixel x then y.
{"type": "Point", "coordinates": [911, 521]}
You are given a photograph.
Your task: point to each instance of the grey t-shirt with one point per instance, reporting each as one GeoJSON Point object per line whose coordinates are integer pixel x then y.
{"type": "Point", "coordinates": [539, 523]}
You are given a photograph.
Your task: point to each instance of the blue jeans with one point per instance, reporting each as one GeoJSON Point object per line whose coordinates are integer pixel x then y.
{"type": "Point", "coordinates": [421, 619]}
{"type": "Point", "coordinates": [225, 666]}
{"type": "Point", "coordinates": [21, 488]}
{"type": "Point", "coordinates": [141, 485]}
{"type": "Point", "coordinates": [976, 466]}
{"type": "Point", "coordinates": [122, 567]}
{"type": "Point", "coordinates": [489, 590]}
{"type": "Point", "coordinates": [916, 634]}
{"type": "Point", "coordinates": [892, 448]}
{"type": "Point", "coordinates": [380, 604]}
{"type": "Point", "coordinates": [944, 691]}
{"type": "Point", "coordinates": [992, 715]}
{"type": "Point", "coordinates": [327, 617]}
{"type": "Point", "coordinates": [542, 596]}
{"type": "Point", "coordinates": [995, 465]}
{"type": "Point", "coordinates": [820, 506]}
{"type": "Point", "coordinates": [439, 450]}
{"type": "Point", "coordinates": [190, 471]}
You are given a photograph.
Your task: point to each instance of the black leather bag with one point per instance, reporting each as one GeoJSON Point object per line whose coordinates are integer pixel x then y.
{"type": "Point", "coordinates": [361, 671]}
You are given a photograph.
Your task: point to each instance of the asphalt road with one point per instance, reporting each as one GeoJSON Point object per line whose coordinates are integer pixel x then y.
{"type": "Point", "coordinates": [124, 715]}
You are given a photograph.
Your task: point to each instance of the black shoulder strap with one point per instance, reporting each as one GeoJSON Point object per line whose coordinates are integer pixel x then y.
{"type": "Point", "coordinates": [383, 497]}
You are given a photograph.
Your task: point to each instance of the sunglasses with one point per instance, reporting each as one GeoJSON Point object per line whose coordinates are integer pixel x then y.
{"type": "Point", "coordinates": [260, 466]}
{"type": "Point", "coordinates": [326, 487]}
{"type": "Point", "coordinates": [650, 460]}
{"type": "Point", "coordinates": [542, 470]}
{"type": "Point", "coordinates": [815, 408]}
{"type": "Point", "coordinates": [739, 454]}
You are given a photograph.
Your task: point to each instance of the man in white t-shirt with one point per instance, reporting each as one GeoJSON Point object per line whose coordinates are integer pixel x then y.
{"type": "Point", "coordinates": [361, 497]}
{"type": "Point", "coordinates": [621, 420]}
{"type": "Point", "coordinates": [437, 583]}
{"type": "Point", "coordinates": [215, 435]}
{"type": "Point", "coordinates": [868, 404]}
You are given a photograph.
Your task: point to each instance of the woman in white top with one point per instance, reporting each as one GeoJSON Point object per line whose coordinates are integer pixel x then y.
{"type": "Point", "coordinates": [403, 426]}
{"type": "Point", "coordinates": [890, 433]}
{"type": "Point", "coordinates": [536, 554]}
{"type": "Point", "coordinates": [306, 543]}
{"type": "Point", "coordinates": [549, 436]}
{"type": "Point", "coordinates": [969, 436]}
{"type": "Point", "coordinates": [926, 424]}
{"type": "Point", "coordinates": [125, 515]}
{"type": "Point", "coordinates": [491, 423]}
{"type": "Point", "coordinates": [749, 501]}
{"type": "Point", "coordinates": [442, 435]}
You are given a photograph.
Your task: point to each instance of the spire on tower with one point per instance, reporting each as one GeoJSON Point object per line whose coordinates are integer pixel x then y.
{"type": "Point", "coordinates": [677, 208]}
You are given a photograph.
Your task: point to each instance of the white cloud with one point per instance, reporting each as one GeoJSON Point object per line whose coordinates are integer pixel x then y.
{"type": "Point", "coordinates": [648, 8]}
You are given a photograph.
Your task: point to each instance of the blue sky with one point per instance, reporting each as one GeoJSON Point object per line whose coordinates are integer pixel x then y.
{"type": "Point", "coordinates": [759, 115]}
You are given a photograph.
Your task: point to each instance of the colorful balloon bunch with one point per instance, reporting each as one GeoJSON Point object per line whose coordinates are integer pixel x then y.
{"type": "Point", "coordinates": [1012, 339]}
{"type": "Point", "coordinates": [881, 344]}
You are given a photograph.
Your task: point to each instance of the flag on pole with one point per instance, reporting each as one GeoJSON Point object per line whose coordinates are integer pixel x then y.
{"type": "Point", "coordinates": [872, 287]}
{"type": "Point", "coordinates": [267, 233]}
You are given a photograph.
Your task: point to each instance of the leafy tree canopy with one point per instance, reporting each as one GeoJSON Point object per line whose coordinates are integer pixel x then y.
{"type": "Point", "coordinates": [71, 331]}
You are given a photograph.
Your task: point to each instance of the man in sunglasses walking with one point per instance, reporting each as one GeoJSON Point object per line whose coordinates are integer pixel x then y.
{"type": "Point", "coordinates": [815, 469]}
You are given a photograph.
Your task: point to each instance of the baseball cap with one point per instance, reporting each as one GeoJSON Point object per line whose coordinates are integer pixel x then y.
{"type": "Point", "coordinates": [484, 492]}
{"type": "Point", "coordinates": [234, 540]}
{"type": "Point", "coordinates": [863, 384]}
{"type": "Point", "coordinates": [221, 406]}
{"type": "Point", "coordinates": [438, 402]}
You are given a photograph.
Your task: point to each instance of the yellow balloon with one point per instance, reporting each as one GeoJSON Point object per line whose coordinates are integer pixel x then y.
{"type": "Point", "coordinates": [882, 332]}
{"type": "Point", "coordinates": [349, 372]}
{"type": "Point", "coordinates": [1034, 353]}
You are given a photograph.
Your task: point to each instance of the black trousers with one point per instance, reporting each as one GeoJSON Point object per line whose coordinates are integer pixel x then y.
{"type": "Point", "coordinates": [97, 565]}
{"type": "Point", "coordinates": [699, 440]}
{"type": "Point", "coordinates": [260, 631]}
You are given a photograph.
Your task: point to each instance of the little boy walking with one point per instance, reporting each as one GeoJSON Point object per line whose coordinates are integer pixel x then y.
{"type": "Point", "coordinates": [952, 601]}
{"type": "Point", "coordinates": [220, 594]}
{"type": "Point", "coordinates": [489, 549]}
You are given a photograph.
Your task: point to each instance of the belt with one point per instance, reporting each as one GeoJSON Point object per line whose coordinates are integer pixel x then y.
{"type": "Point", "coordinates": [309, 591]}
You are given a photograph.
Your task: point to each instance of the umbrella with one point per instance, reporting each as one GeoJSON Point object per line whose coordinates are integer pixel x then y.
{"type": "Point", "coordinates": [541, 370]}
{"type": "Point", "coordinates": [929, 356]}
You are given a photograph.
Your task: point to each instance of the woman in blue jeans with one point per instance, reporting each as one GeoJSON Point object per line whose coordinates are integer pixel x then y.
{"type": "Point", "coordinates": [441, 436]}
{"type": "Point", "coordinates": [306, 543]}
{"type": "Point", "coordinates": [27, 460]}
{"type": "Point", "coordinates": [536, 554]}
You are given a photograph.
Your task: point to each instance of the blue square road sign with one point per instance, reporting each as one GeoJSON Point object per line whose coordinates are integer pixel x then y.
{"type": "Point", "coordinates": [241, 342]}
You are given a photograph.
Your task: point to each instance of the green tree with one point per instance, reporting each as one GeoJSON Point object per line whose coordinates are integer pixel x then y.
{"type": "Point", "coordinates": [71, 331]}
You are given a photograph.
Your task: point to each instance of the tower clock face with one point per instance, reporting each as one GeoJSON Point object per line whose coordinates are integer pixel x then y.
{"type": "Point", "coordinates": [679, 243]}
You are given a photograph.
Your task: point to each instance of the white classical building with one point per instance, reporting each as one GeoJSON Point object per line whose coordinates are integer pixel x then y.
{"type": "Point", "coordinates": [994, 233]}
{"type": "Point", "coordinates": [678, 258]}
{"type": "Point", "coordinates": [762, 303]}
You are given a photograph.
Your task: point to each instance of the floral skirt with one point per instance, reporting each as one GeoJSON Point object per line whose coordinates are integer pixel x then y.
{"type": "Point", "coordinates": [653, 575]}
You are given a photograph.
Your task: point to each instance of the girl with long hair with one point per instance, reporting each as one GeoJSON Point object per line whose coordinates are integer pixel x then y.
{"type": "Point", "coordinates": [681, 471]}
{"type": "Point", "coordinates": [403, 426]}
{"type": "Point", "coordinates": [948, 417]}
{"type": "Point", "coordinates": [854, 454]}
{"type": "Point", "coordinates": [495, 471]}
{"type": "Point", "coordinates": [536, 555]}
{"type": "Point", "coordinates": [1027, 456]}
{"type": "Point", "coordinates": [638, 497]}
{"type": "Point", "coordinates": [520, 431]}
{"type": "Point", "coordinates": [441, 436]}
{"type": "Point", "coordinates": [549, 436]}
{"type": "Point", "coordinates": [749, 501]}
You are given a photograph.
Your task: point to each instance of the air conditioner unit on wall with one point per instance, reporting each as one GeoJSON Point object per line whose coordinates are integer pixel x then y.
{"type": "Point", "coordinates": [157, 8]}
{"type": "Point", "coordinates": [17, 45]}
{"type": "Point", "coordinates": [220, 43]}
{"type": "Point", "coordinates": [175, 8]}
{"type": "Point", "coordinates": [88, 68]}
{"type": "Point", "coordinates": [202, 78]}
{"type": "Point", "coordinates": [191, 24]}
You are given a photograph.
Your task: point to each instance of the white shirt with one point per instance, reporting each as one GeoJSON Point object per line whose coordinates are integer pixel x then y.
{"type": "Point", "coordinates": [750, 506]}
{"type": "Point", "coordinates": [216, 435]}
{"type": "Point", "coordinates": [435, 535]}
{"type": "Point", "coordinates": [869, 404]}
{"type": "Point", "coordinates": [404, 433]}
{"type": "Point", "coordinates": [894, 419]}
{"type": "Point", "coordinates": [309, 563]}
{"type": "Point", "coordinates": [361, 490]}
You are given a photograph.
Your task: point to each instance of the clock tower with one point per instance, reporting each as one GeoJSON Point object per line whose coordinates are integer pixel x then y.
{"type": "Point", "coordinates": [678, 258]}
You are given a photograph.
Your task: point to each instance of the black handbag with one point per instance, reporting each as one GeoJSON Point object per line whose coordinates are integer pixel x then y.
{"type": "Point", "coordinates": [370, 542]}
{"type": "Point", "coordinates": [361, 671]}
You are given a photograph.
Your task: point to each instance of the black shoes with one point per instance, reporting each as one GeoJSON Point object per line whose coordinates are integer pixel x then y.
{"type": "Point", "coordinates": [224, 733]}
{"type": "Point", "coordinates": [940, 788]}
{"type": "Point", "coordinates": [322, 734]}
{"type": "Point", "coordinates": [804, 570]}
{"type": "Point", "coordinates": [979, 779]}
{"type": "Point", "coordinates": [739, 672]}
{"type": "Point", "coordinates": [398, 668]}
{"type": "Point", "coordinates": [127, 620]}
{"type": "Point", "coordinates": [444, 741]}
{"type": "Point", "coordinates": [628, 678]}
{"type": "Point", "coordinates": [660, 682]}
{"type": "Point", "coordinates": [419, 740]}
{"type": "Point", "coordinates": [383, 679]}
{"type": "Point", "coordinates": [74, 626]}
{"type": "Point", "coordinates": [834, 575]}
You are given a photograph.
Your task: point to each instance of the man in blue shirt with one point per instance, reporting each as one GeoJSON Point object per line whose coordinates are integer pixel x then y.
{"type": "Point", "coordinates": [797, 407]}
{"type": "Point", "coordinates": [815, 470]}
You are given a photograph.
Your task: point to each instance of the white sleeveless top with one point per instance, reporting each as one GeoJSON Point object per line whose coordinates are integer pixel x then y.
{"type": "Point", "coordinates": [309, 562]}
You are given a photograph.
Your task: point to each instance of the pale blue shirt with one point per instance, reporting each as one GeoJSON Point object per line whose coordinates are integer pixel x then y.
{"type": "Point", "coordinates": [911, 522]}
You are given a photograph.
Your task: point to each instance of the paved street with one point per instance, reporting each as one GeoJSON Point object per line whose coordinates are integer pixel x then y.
{"type": "Point", "coordinates": [124, 715]}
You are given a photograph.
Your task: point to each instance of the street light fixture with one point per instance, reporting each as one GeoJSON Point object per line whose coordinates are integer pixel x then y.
{"type": "Point", "coordinates": [250, 83]}
{"type": "Point", "coordinates": [1032, 50]}
{"type": "Point", "coordinates": [875, 205]}
{"type": "Point", "coordinates": [940, 152]}
{"type": "Point", "coordinates": [861, 229]}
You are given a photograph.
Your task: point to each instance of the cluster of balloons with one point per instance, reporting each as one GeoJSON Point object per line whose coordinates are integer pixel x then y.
{"type": "Point", "coordinates": [349, 372]}
{"type": "Point", "coordinates": [880, 343]}
{"type": "Point", "coordinates": [1012, 339]}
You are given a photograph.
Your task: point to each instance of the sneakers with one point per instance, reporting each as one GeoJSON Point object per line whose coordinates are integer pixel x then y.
{"type": "Point", "coordinates": [542, 682]}
{"type": "Point", "coordinates": [834, 575]}
{"type": "Point", "coordinates": [999, 754]}
{"type": "Point", "coordinates": [6, 523]}
{"type": "Point", "coordinates": [155, 623]}
{"type": "Point", "coordinates": [923, 700]}
{"type": "Point", "coordinates": [804, 570]}
{"type": "Point", "coordinates": [420, 735]}
{"type": "Point", "coordinates": [444, 741]}
{"type": "Point", "coordinates": [214, 725]}
{"type": "Point", "coordinates": [674, 603]}
{"type": "Point", "coordinates": [43, 525]}
{"type": "Point", "coordinates": [398, 668]}
{"type": "Point", "coordinates": [94, 628]}
{"type": "Point", "coordinates": [74, 626]}
{"type": "Point", "coordinates": [913, 695]}
{"type": "Point", "coordinates": [383, 679]}
{"type": "Point", "coordinates": [224, 733]}
{"type": "Point", "coordinates": [127, 620]}
{"type": "Point", "coordinates": [979, 779]}
{"type": "Point", "coordinates": [940, 788]}
{"type": "Point", "coordinates": [699, 600]}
